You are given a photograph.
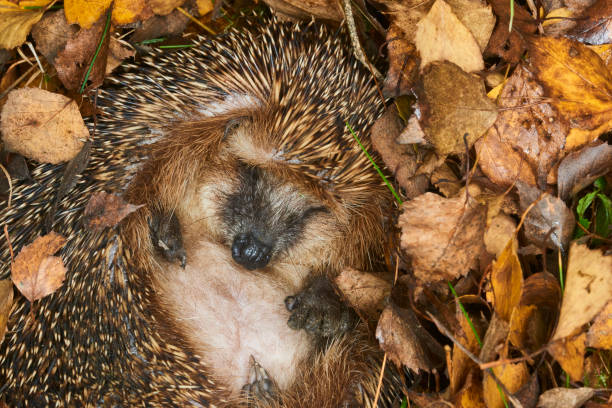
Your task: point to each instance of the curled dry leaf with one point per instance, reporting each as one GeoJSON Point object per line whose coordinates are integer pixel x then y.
{"type": "Point", "coordinates": [37, 273]}
{"type": "Point", "coordinates": [406, 342]}
{"type": "Point", "coordinates": [365, 292]}
{"type": "Point", "coordinates": [594, 25]}
{"type": "Point", "coordinates": [403, 64]}
{"type": "Point", "coordinates": [579, 169]}
{"type": "Point", "coordinates": [565, 397]}
{"type": "Point", "coordinates": [569, 353]}
{"type": "Point", "coordinates": [600, 332]}
{"type": "Point", "coordinates": [507, 281]}
{"type": "Point", "coordinates": [549, 223]}
{"type": "Point", "coordinates": [513, 376]}
{"type": "Point", "coordinates": [527, 138]}
{"type": "Point", "coordinates": [453, 103]}
{"type": "Point", "coordinates": [441, 36]}
{"type": "Point", "coordinates": [494, 339]}
{"type": "Point", "coordinates": [442, 236]}
{"type": "Point", "coordinates": [106, 210]}
{"type": "Point", "coordinates": [42, 125]}
{"type": "Point", "coordinates": [16, 23]}
{"type": "Point", "coordinates": [588, 289]}
{"type": "Point", "coordinates": [6, 301]}
{"type": "Point", "coordinates": [579, 83]}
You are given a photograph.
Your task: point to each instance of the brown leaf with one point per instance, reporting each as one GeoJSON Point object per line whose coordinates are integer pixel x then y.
{"type": "Point", "coordinates": [507, 281]}
{"type": "Point", "coordinates": [565, 397]}
{"type": "Point", "coordinates": [406, 342]}
{"type": "Point", "coordinates": [51, 34]}
{"type": "Point", "coordinates": [403, 64]}
{"type": "Point", "coordinates": [72, 63]}
{"type": "Point", "coordinates": [106, 210]}
{"type": "Point", "coordinates": [588, 289]}
{"type": "Point", "coordinates": [116, 54]}
{"type": "Point", "coordinates": [461, 364]}
{"type": "Point", "coordinates": [513, 376]}
{"type": "Point", "coordinates": [579, 83]}
{"type": "Point", "coordinates": [406, 14]}
{"type": "Point", "coordinates": [594, 25]}
{"type": "Point", "coordinates": [600, 332]}
{"type": "Point", "coordinates": [37, 273]}
{"type": "Point", "coordinates": [499, 231]}
{"type": "Point", "coordinates": [527, 138]}
{"type": "Point", "coordinates": [365, 292]}
{"type": "Point", "coordinates": [172, 24]}
{"type": "Point", "coordinates": [16, 23]}
{"type": "Point", "coordinates": [492, 345]}
{"type": "Point", "coordinates": [453, 104]}
{"type": "Point", "coordinates": [42, 125]}
{"type": "Point", "coordinates": [504, 43]}
{"type": "Point", "coordinates": [528, 394]}
{"type": "Point", "coordinates": [164, 7]}
{"type": "Point", "coordinates": [324, 9]}
{"type": "Point", "coordinates": [569, 353]}
{"type": "Point", "coordinates": [549, 223]}
{"type": "Point", "coordinates": [441, 36]}
{"type": "Point", "coordinates": [6, 301]}
{"type": "Point", "coordinates": [442, 236]}
{"type": "Point", "coordinates": [579, 169]}
{"type": "Point", "coordinates": [477, 17]}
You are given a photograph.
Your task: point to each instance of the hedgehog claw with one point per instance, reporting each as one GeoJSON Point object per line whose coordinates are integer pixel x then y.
{"type": "Point", "coordinates": [261, 386]}
{"type": "Point", "coordinates": [167, 238]}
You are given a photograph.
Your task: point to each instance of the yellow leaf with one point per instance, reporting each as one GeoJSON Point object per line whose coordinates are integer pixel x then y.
{"type": "Point", "coordinates": [16, 23]}
{"type": "Point", "coordinates": [507, 280]}
{"type": "Point", "coordinates": [513, 376]}
{"type": "Point", "coordinates": [579, 83]}
{"type": "Point", "coordinates": [204, 6]}
{"type": "Point", "coordinates": [85, 12]}
{"type": "Point", "coordinates": [569, 353]}
{"type": "Point", "coordinates": [555, 15]}
{"type": "Point", "coordinates": [127, 11]}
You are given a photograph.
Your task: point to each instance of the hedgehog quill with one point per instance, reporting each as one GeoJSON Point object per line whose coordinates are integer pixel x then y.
{"type": "Point", "coordinates": [217, 292]}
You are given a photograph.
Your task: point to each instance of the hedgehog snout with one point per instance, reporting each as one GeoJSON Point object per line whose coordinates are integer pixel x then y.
{"type": "Point", "coordinates": [250, 252]}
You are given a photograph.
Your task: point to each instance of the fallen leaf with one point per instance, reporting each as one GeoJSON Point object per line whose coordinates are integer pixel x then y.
{"type": "Point", "coordinates": [569, 353]}
{"type": "Point", "coordinates": [527, 138]}
{"type": "Point", "coordinates": [499, 231]}
{"type": "Point", "coordinates": [35, 272]}
{"type": "Point", "coordinates": [445, 180]}
{"type": "Point", "coordinates": [16, 23]}
{"type": "Point", "coordinates": [41, 125]}
{"type": "Point", "coordinates": [130, 11]}
{"type": "Point", "coordinates": [406, 14]}
{"type": "Point", "coordinates": [412, 133]}
{"type": "Point", "coordinates": [528, 394]}
{"type": "Point", "coordinates": [106, 210]}
{"type": "Point", "coordinates": [507, 281]}
{"type": "Point", "coordinates": [470, 395]}
{"type": "Point", "coordinates": [594, 25]}
{"type": "Point", "coordinates": [579, 83]}
{"type": "Point", "coordinates": [170, 25]}
{"type": "Point", "coordinates": [549, 223]}
{"type": "Point", "coordinates": [600, 332]}
{"type": "Point", "coordinates": [204, 6]}
{"type": "Point", "coordinates": [85, 12]}
{"type": "Point", "coordinates": [579, 169]}
{"type": "Point", "coordinates": [513, 376]}
{"type": "Point", "coordinates": [116, 54]}
{"type": "Point", "coordinates": [403, 64]}
{"type": "Point", "coordinates": [565, 397]}
{"type": "Point", "coordinates": [164, 7]}
{"type": "Point", "coordinates": [461, 365]}
{"type": "Point", "coordinates": [73, 62]}
{"type": "Point", "coordinates": [442, 236]}
{"type": "Point", "coordinates": [406, 342]}
{"type": "Point", "coordinates": [365, 292]}
{"type": "Point", "coordinates": [477, 17]}
{"type": "Point", "coordinates": [441, 36]}
{"type": "Point", "coordinates": [509, 45]}
{"type": "Point", "coordinates": [6, 301]}
{"type": "Point", "coordinates": [51, 34]}
{"type": "Point", "coordinates": [453, 104]}
{"type": "Point", "coordinates": [588, 289]}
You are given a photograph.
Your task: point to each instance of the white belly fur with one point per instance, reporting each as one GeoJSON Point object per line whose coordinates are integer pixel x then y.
{"type": "Point", "coordinates": [229, 314]}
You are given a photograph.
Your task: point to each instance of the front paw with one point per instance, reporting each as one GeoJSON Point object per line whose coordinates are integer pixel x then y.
{"type": "Point", "coordinates": [318, 310]}
{"type": "Point", "coordinates": [261, 387]}
{"type": "Point", "coordinates": [167, 238]}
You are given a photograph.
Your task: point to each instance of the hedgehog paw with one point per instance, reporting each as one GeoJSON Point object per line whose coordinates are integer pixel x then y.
{"type": "Point", "coordinates": [319, 310]}
{"type": "Point", "coordinates": [261, 387]}
{"type": "Point", "coordinates": [167, 238]}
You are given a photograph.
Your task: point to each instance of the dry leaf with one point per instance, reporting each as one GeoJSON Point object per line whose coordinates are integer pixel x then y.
{"type": "Point", "coordinates": [461, 364]}
{"type": "Point", "coordinates": [51, 34]}
{"type": "Point", "coordinates": [528, 394]}
{"type": "Point", "coordinates": [494, 339]}
{"type": "Point", "coordinates": [130, 11]}
{"type": "Point", "coordinates": [37, 273]}
{"type": "Point", "coordinates": [565, 397]}
{"type": "Point", "coordinates": [85, 12]}
{"type": "Point", "coordinates": [569, 353]}
{"type": "Point", "coordinates": [204, 6]}
{"type": "Point", "coordinates": [513, 376]}
{"type": "Point", "coordinates": [588, 288]}
{"type": "Point", "coordinates": [42, 125]}
{"type": "Point", "coordinates": [477, 17]}
{"type": "Point", "coordinates": [549, 223]}
{"type": "Point", "coordinates": [406, 342]}
{"type": "Point", "coordinates": [365, 292]}
{"type": "Point", "coordinates": [445, 180]}
{"type": "Point", "coordinates": [507, 281]}
{"type": "Point", "coordinates": [579, 83]}
{"type": "Point", "coordinates": [600, 332]}
{"type": "Point", "coordinates": [305, 9]}
{"type": "Point", "coordinates": [509, 45]}
{"type": "Point", "coordinates": [403, 64]}
{"type": "Point", "coordinates": [579, 169]}
{"type": "Point", "coordinates": [470, 396]}
{"type": "Point", "coordinates": [527, 138]}
{"type": "Point", "coordinates": [106, 210]}
{"type": "Point", "coordinates": [453, 104]}
{"type": "Point", "coordinates": [16, 23]}
{"type": "Point", "coordinates": [6, 301]}
{"type": "Point", "coordinates": [441, 36]}
{"type": "Point", "coordinates": [170, 25]}
{"type": "Point", "coordinates": [594, 25]}
{"type": "Point", "coordinates": [163, 7]}
{"type": "Point", "coordinates": [499, 231]}
{"type": "Point", "coordinates": [406, 14]}
{"type": "Point", "coordinates": [442, 236]}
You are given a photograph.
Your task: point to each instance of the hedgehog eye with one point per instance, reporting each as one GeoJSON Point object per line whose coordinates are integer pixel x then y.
{"type": "Point", "coordinates": [232, 125]}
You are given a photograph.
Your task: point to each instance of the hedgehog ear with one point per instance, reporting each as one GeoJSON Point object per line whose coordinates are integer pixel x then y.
{"type": "Point", "coordinates": [232, 126]}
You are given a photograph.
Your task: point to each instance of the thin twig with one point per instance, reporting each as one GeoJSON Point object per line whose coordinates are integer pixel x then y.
{"type": "Point", "coordinates": [357, 50]}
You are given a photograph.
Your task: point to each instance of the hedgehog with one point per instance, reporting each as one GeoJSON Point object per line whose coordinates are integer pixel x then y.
{"type": "Point", "coordinates": [218, 291]}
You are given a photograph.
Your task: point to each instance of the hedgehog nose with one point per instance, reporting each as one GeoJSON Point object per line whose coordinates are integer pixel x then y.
{"type": "Point", "coordinates": [250, 252]}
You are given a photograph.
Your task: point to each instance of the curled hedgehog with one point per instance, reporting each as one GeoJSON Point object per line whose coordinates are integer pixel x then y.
{"type": "Point", "coordinates": [217, 291]}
